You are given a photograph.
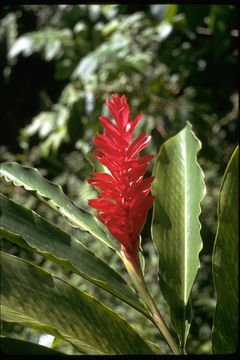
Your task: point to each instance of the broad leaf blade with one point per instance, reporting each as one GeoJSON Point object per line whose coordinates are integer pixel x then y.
{"type": "Point", "coordinates": [32, 180]}
{"type": "Point", "coordinates": [12, 346]}
{"type": "Point", "coordinates": [225, 263]}
{"type": "Point", "coordinates": [27, 229]}
{"type": "Point", "coordinates": [33, 297]}
{"type": "Point", "coordinates": [178, 189]}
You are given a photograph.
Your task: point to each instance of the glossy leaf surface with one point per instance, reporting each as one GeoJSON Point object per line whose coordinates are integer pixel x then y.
{"type": "Point", "coordinates": [52, 194]}
{"type": "Point", "coordinates": [178, 189]}
{"type": "Point", "coordinates": [29, 230]}
{"type": "Point", "coordinates": [33, 297]}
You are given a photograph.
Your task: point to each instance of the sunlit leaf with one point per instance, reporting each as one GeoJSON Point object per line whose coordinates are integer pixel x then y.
{"type": "Point", "coordinates": [50, 41]}
{"type": "Point", "coordinates": [52, 194]}
{"type": "Point", "coordinates": [178, 189]}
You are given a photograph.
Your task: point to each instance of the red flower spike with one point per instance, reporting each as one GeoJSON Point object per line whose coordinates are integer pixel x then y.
{"type": "Point", "coordinates": [125, 196]}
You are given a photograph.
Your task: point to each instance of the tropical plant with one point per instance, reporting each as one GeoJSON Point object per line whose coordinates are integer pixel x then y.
{"type": "Point", "coordinates": [33, 297]}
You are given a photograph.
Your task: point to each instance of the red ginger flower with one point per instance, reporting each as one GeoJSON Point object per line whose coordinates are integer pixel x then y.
{"type": "Point", "coordinates": [125, 196]}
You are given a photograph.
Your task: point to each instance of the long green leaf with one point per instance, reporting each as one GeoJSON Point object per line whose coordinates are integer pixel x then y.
{"type": "Point", "coordinates": [33, 297]}
{"type": "Point", "coordinates": [10, 346]}
{"type": "Point", "coordinates": [178, 189]}
{"type": "Point", "coordinates": [225, 263]}
{"type": "Point", "coordinates": [27, 229]}
{"type": "Point", "coordinates": [52, 194]}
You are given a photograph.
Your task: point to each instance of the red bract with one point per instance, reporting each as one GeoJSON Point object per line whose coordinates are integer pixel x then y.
{"type": "Point", "coordinates": [125, 196]}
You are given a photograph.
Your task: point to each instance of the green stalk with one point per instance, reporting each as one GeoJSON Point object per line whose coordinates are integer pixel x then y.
{"type": "Point", "coordinates": [134, 269]}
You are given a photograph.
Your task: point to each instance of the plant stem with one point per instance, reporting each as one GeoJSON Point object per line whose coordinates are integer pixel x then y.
{"type": "Point", "coordinates": [135, 272]}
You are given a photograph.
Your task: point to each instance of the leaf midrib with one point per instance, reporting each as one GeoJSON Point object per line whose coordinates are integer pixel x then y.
{"type": "Point", "coordinates": [185, 250]}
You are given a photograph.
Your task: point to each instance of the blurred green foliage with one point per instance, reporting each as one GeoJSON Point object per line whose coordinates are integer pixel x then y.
{"type": "Point", "coordinates": [59, 63]}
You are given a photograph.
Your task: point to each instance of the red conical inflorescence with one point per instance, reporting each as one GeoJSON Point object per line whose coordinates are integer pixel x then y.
{"type": "Point", "coordinates": [125, 196]}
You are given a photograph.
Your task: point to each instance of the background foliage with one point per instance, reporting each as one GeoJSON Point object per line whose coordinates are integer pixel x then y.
{"type": "Point", "coordinates": [58, 65]}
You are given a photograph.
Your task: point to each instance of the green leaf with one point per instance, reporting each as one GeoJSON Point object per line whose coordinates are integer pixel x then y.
{"type": "Point", "coordinates": [52, 194]}
{"type": "Point", "coordinates": [51, 127]}
{"type": "Point", "coordinates": [29, 230]}
{"type": "Point", "coordinates": [33, 297]}
{"type": "Point", "coordinates": [12, 346]}
{"type": "Point", "coordinates": [178, 189]}
{"type": "Point", "coordinates": [50, 41]}
{"type": "Point", "coordinates": [55, 342]}
{"type": "Point", "coordinates": [225, 263]}
{"type": "Point", "coordinates": [171, 10]}
{"type": "Point", "coordinates": [155, 348]}
{"type": "Point", "coordinates": [94, 162]}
